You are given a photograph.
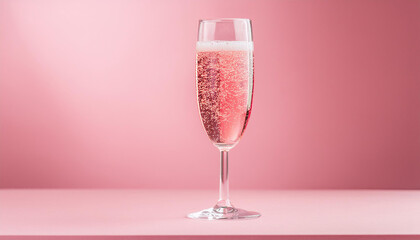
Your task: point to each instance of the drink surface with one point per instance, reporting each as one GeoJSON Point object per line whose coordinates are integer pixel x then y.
{"type": "Point", "coordinates": [224, 89]}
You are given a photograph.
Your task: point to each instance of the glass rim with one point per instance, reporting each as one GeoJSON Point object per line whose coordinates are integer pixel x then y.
{"type": "Point", "coordinates": [225, 20]}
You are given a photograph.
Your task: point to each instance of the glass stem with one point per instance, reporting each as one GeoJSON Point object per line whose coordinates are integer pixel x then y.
{"type": "Point", "coordinates": [224, 181]}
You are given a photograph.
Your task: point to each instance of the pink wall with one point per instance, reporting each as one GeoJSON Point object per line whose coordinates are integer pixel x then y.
{"type": "Point", "coordinates": [101, 93]}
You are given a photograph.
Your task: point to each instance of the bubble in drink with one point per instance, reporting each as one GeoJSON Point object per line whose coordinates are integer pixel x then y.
{"type": "Point", "coordinates": [224, 87]}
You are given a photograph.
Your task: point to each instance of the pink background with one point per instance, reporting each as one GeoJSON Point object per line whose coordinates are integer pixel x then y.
{"type": "Point", "coordinates": [101, 93]}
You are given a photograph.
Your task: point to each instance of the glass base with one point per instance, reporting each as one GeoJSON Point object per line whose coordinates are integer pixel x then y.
{"type": "Point", "coordinates": [216, 213]}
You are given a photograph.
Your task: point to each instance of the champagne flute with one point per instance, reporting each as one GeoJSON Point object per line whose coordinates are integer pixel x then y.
{"type": "Point", "coordinates": [225, 80]}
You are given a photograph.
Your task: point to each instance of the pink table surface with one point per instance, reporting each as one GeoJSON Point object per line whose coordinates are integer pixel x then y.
{"type": "Point", "coordinates": [160, 214]}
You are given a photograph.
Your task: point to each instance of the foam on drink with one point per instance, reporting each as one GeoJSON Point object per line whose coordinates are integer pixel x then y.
{"type": "Point", "coordinates": [224, 46]}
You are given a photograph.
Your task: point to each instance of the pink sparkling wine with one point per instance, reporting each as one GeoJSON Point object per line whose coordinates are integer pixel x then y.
{"type": "Point", "coordinates": [224, 89]}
